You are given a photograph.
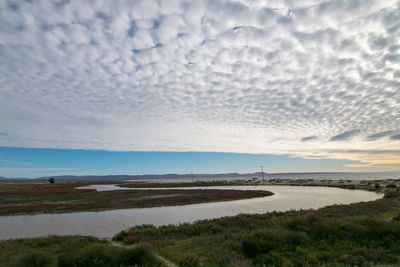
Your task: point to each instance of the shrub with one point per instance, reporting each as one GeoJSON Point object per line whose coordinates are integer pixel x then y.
{"type": "Point", "coordinates": [66, 260]}
{"type": "Point", "coordinates": [94, 256]}
{"type": "Point", "coordinates": [110, 256]}
{"type": "Point", "coordinates": [271, 259]}
{"type": "Point", "coordinates": [392, 194]}
{"type": "Point", "coordinates": [35, 259]}
{"type": "Point", "coordinates": [131, 239]}
{"type": "Point", "coordinates": [189, 262]}
{"type": "Point", "coordinates": [148, 230]}
{"type": "Point", "coordinates": [121, 235]}
{"type": "Point", "coordinates": [136, 256]}
{"type": "Point", "coordinates": [264, 242]}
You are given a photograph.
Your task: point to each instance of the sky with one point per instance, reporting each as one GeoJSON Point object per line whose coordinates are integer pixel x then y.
{"type": "Point", "coordinates": [28, 163]}
{"type": "Point", "coordinates": [317, 81]}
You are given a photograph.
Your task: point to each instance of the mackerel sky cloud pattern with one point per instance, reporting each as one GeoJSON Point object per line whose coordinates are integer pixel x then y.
{"type": "Point", "coordinates": [233, 76]}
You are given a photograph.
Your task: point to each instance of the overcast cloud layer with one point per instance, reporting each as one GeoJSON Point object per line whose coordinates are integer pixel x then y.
{"type": "Point", "coordinates": [308, 78]}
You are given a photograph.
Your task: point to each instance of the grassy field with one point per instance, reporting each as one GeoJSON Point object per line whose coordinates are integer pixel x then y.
{"type": "Point", "coordinates": [35, 197]}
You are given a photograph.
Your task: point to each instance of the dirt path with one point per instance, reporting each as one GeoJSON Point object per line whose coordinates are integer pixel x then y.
{"type": "Point", "coordinates": [165, 261]}
{"type": "Point", "coordinates": [161, 258]}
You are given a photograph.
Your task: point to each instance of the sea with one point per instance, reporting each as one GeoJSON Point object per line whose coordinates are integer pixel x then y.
{"type": "Point", "coordinates": [291, 176]}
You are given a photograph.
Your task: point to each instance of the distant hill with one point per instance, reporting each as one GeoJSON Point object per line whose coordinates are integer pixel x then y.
{"type": "Point", "coordinates": [132, 177]}
{"type": "Point", "coordinates": [141, 177]}
{"type": "Point", "coordinates": [12, 179]}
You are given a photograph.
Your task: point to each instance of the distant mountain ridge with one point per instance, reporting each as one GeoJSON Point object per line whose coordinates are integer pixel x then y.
{"type": "Point", "coordinates": [13, 179]}
{"type": "Point", "coordinates": [141, 177]}
{"type": "Point", "coordinates": [135, 177]}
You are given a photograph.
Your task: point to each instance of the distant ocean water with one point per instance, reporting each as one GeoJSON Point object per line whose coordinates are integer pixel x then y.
{"type": "Point", "coordinates": [297, 176]}
{"type": "Point", "coordinates": [336, 176]}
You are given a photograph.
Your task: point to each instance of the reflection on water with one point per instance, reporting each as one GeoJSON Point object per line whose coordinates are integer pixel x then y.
{"type": "Point", "coordinates": [109, 223]}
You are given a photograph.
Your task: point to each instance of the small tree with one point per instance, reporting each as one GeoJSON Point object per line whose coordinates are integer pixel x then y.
{"type": "Point", "coordinates": [51, 180]}
{"type": "Point", "coordinates": [391, 186]}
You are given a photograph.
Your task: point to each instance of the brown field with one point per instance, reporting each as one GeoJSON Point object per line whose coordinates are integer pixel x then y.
{"type": "Point", "coordinates": [18, 198]}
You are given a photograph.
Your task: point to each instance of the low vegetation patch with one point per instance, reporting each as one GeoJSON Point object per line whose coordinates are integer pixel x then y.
{"type": "Point", "coordinates": [73, 251]}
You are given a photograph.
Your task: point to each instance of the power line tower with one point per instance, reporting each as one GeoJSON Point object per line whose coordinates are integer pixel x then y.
{"type": "Point", "coordinates": [262, 172]}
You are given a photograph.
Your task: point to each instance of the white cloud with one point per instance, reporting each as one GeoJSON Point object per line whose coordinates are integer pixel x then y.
{"type": "Point", "coordinates": [245, 76]}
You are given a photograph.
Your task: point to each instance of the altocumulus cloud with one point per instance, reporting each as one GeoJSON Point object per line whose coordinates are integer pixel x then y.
{"type": "Point", "coordinates": [200, 75]}
{"type": "Point", "coordinates": [345, 136]}
{"type": "Point", "coordinates": [309, 138]}
{"type": "Point", "coordinates": [376, 136]}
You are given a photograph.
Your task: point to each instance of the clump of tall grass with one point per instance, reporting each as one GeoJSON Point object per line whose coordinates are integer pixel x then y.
{"type": "Point", "coordinates": [189, 262]}
{"type": "Point", "coordinates": [99, 255]}
{"type": "Point", "coordinates": [393, 193]}
{"type": "Point", "coordinates": [35, 259]}
{"type": "Point", "coordinates": [270, 239]}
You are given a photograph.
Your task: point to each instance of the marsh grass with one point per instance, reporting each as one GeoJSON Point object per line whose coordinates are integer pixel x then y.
{"type": "Point", "coordinates": [72, 251]}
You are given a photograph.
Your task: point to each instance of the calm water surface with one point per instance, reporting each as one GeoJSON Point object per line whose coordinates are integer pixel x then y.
{"type": "Point", "coordinates": [109, 223]}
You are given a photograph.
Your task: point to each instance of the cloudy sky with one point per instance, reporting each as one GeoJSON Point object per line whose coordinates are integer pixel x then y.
{"type": "Point", "coordinates": [308, 79]}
